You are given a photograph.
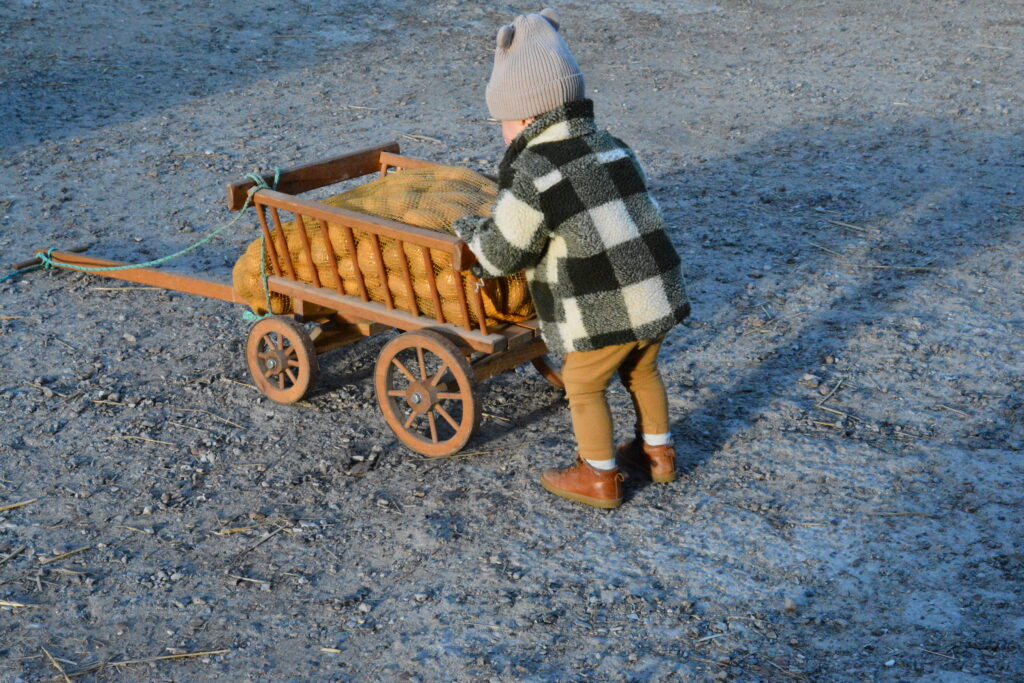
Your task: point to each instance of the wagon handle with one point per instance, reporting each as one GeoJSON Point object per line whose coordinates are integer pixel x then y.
{"type": "Point", "coordinates": [34, 261]}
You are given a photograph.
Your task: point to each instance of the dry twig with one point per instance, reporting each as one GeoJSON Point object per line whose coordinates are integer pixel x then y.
{"type": "Point", "coordinates": [57, 666]}
{"type": "Point", "coordinates": [851, 226]}
{"type": "Point", "coordinates": [130, 437]}
{"type": "Point", "coordinates": [213, 415]}
{"type": "Point", "coordinates": [11, 555]}
{"type": "Point", "coordinates": [831, 393]}
{"type": "Point", "coordinates": [958, 412]}
{"type": "Point", "coordinates": [14, 506]}
{"type": "Point", "coordinates": [149, 660]}
{"type": "Point", "coordinates": [65, 555]}
{"type": "Point", "coordinates": [12, 603]}
{"type": "Point", "coordinates": [235, 381]}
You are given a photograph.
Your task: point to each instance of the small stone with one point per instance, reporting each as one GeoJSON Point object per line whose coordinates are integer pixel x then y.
{"type": "Point", "coordinates": [364, 608]}
{"type": "Point", "coordinates": [891, 662]}
{"type": "Point", "coordinates": [129, 337]}
{"type": "Point", "coordinates": [789, 606]}
{"type": "Point", "coordinates": [419, 597]}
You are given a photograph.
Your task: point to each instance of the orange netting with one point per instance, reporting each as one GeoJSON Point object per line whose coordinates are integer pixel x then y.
{"type": "Point", "coordinates": [431, 198]}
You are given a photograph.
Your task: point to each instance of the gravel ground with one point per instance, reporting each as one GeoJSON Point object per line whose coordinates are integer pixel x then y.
{"type": "Point", "coordinates": [844, 181]}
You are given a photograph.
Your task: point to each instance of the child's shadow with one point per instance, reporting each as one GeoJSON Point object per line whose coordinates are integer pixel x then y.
{"type": "Point", "coordinates": [773, 222]}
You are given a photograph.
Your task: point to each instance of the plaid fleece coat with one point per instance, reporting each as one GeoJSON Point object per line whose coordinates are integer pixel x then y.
{"type": "Point", "coordinates": [574, 212]}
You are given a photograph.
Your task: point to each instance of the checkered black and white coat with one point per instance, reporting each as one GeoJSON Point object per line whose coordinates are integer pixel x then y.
{"type": "Point", "coordinates": [574, 212]}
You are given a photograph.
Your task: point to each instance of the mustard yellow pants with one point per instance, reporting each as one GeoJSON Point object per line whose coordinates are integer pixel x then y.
{"type": "Point", "coordinates": [587, 374]}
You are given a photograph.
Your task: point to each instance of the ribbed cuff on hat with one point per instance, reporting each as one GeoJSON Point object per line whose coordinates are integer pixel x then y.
{"type": "Point", "coordinates": [515, 105]}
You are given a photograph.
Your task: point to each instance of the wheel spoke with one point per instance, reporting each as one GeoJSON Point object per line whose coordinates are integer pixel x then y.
{"type": "Point", "coordinates": [280, 380]}
{"type": "Point", "coordinates": [276, 341]}
{"type": "Point", "coordinates": [437, 378]}
{"type": "Point", "coordinates": [446, 416]}
{"type": "Point", "coordinates": [292, 351]}
{"type": "Point", "coordinates": [423, 362]}
{"type": "Point", "coordinates": [270, 372]}
{"type": "Point", "coordinates": [291, 375]}
{"type": "Point", "coordinates": [433, 426]}
{"type": "Point", "coordinates": [412, 418]}
{"type": "Point", "coordinates": [401, 366]}
{"type": "Point", "coordinates": [450, 395]}
{"type": "Point", "coordinates": [293, 363]}
{"type": "Point", "coordinates": [396, 392]}
{"type": "Point", "coordinates": [264, 355]}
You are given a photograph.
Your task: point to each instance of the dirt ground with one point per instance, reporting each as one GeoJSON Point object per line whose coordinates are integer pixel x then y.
{"type": "Point", "coordinates": [845, 182]}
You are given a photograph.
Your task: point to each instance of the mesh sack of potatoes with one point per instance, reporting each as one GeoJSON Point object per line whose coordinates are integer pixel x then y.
{"type": "Point", "coordinates": [431, 198]}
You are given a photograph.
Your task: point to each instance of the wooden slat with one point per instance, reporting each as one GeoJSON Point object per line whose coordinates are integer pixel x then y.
{"type": "Point", "coordinates": [325, 233]}
{"type": "Point", "coordinates": [477, 300]}
{"type": "Point", "coordinates": [435, 296]}
{"type": "Point", "coordinates": [282, 244]}
{"type": "Point", "coordinates": [268, 241]}
{"type": "Point", "coordinates": [407, 276]}
{"type": "Point", "coordinates": [349, 307]}
{"type": "Point", "coordinates": [149, 276]}
{"type": "Point", "coordinates": [382, 270]}
{"type": "Point", "coordinates": [350, 242]}
{"type": "Point", "coordinates": [316, 174]}
{"type": "Point", "coordinates": [300, 226]}
{"type": "Point", "coordinates": [460, 288]}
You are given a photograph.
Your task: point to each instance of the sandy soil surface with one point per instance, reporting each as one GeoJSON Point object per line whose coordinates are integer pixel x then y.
{"type": "Point", "coordinates": [845, 181]}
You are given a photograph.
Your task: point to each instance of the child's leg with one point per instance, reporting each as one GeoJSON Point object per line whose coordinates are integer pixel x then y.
{"type": "Point", "coordinates": [639, 374]}
{"type": "Point", "coordinates": [586, 375]}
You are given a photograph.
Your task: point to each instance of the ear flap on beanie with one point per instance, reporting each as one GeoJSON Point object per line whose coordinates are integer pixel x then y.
{"type": "Point", "coordinates": [505, 35]}
{"type": "Point", "coordinates": [551, 16]}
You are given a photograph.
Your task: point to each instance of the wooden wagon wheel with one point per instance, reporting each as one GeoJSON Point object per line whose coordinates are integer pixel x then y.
{"type": "Point", "coordinates": [427, 393]}
{"type": "Point", "coordinates": [549, 370]}
{"type": "Point", "coordinates": [282, 359]}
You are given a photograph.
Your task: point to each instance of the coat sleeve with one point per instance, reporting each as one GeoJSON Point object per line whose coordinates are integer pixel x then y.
{"type": "Point", "coordinates": [513, 237]}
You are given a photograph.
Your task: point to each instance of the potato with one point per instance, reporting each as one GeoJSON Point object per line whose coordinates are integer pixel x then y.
{"type": "Point", "coordinates": [430, 198]}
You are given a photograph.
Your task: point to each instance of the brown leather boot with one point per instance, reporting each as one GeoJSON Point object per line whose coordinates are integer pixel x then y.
{"type": "Point", "coordinates": [584, 484]}
{"type": "Point", "coordinates": [658, 461]}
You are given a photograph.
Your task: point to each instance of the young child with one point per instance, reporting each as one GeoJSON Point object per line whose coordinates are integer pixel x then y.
{"type": "Point", "coordinates": [574, 212]}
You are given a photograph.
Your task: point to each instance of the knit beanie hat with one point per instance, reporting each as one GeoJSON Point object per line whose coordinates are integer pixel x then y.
{"type": "Point", "coordinates": [534, 71]}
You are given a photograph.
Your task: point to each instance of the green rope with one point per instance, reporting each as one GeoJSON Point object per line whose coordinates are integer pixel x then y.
{"type": "Point", "coordinates": [249, 316]}
{"type": "Point", "coordinates": [20, 271]}
{"type": "Point", "coordinates": [46, 259]}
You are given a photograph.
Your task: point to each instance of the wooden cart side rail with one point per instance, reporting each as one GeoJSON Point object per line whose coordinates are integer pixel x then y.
{"type": "Point", "coordinates": [366, 223]}
{"type": "Point", "coordinates": [356, 311]}
{"type": "Point", "coordinates": [148, 276]}
{"type": "Point", "coordinates": [316, 174]}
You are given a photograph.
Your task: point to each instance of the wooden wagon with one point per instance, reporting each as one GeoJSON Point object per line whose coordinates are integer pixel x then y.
{"type": "Point", "coordinates": [426, 377]}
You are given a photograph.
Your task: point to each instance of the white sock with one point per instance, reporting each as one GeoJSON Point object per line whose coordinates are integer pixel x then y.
{"type": "Point", "coordinates": [605, 465]}
{"type": "Point", "coordinates": [658, 439]}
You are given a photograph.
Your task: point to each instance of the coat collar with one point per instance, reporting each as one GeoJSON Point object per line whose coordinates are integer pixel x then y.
{"type": "Point", "coordinates": [571, 120]}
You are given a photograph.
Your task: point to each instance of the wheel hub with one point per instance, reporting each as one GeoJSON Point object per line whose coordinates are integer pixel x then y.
{"type": "Point", "coordinates": [420, 396]}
